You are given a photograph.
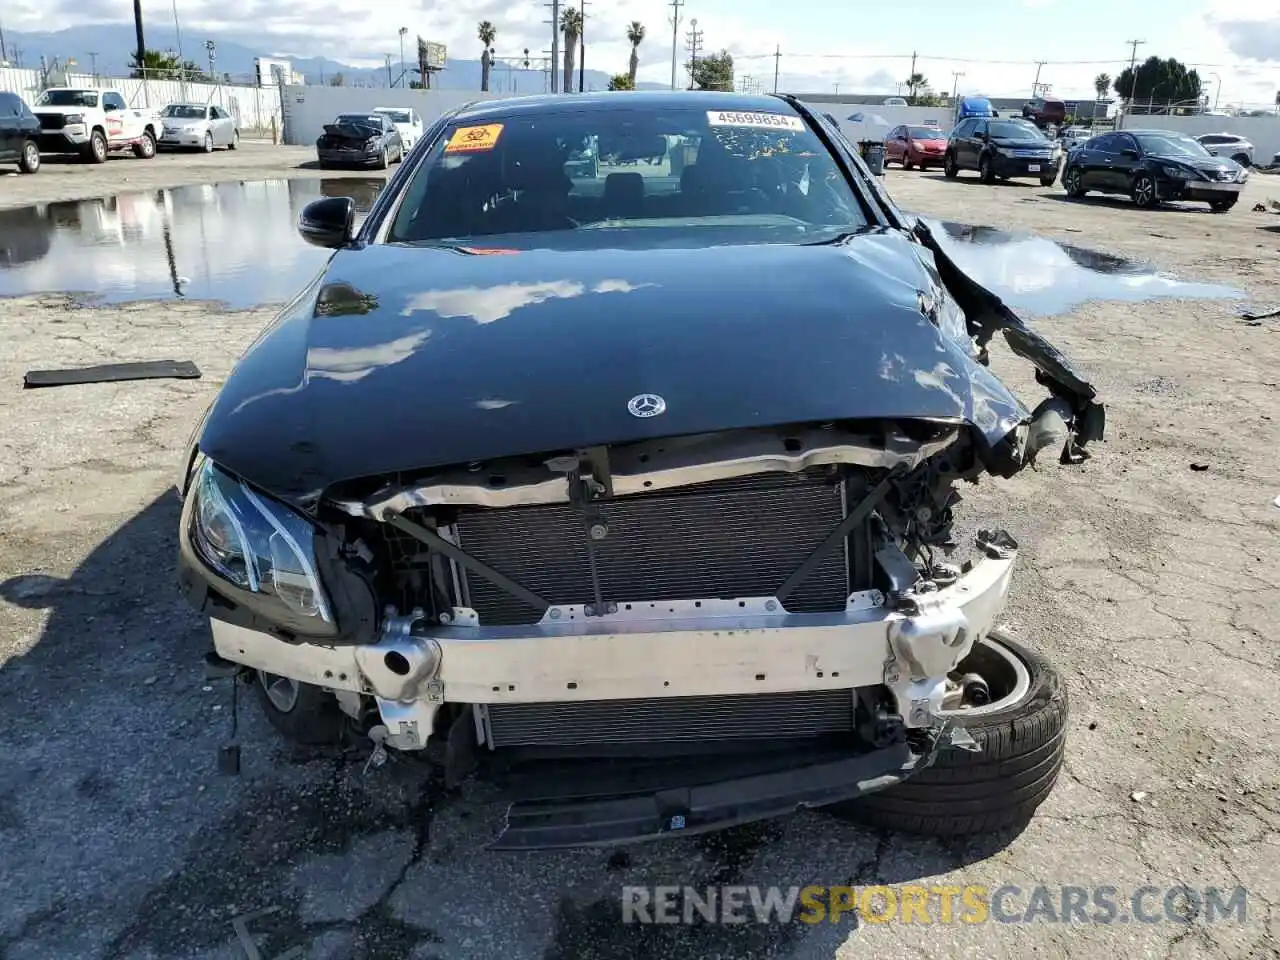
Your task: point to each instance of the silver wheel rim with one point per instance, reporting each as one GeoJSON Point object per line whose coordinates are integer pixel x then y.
{"type": "Point", "coordinates": [208, 143]}
{"type": "Point", "coordinates": [281, 691]}
{"type": "Point", "coordinates": [99, 147]}
{"type": "Point", "coordinates": [1144, 189]}
{"type": "Point", "coordinates": [1018, 690]}
{"type": "Point", "coordinates": [33, 155]}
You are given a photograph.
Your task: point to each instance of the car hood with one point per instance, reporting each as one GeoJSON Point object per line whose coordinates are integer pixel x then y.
{"type": "Point", "coordinates": [1205, 164]}
{"type": "Point", "coordinates": [402, 358]}
{"type": "Point", "coordinates": [38, 110]}
{"type": "Point", "coordinates": [1019, 143]}
{"type": "Point", "coordinates": [352, 131]}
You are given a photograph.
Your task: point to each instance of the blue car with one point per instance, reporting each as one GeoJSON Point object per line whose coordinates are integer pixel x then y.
{"type": "Point", "coordinates": [974, 107]}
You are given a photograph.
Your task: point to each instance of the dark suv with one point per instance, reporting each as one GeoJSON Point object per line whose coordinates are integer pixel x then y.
{"type": "Point", "coordinates": [19, 134]}
{"type": "Point", "coordinates": [1043, 111]}
{"type": "Point", "coordinates": [1000, 149]}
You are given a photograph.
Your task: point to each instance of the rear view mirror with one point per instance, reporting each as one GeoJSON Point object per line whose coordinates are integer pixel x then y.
{"type": "Point", "coordinates": [327, 222]}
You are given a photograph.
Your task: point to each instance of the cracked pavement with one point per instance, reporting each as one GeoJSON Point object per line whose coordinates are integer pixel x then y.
{"type": "Point", "coordinates": [1153, 587]}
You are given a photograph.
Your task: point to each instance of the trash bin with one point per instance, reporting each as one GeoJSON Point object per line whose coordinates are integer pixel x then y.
{"type": "Point", "coordinates": [873, 154]}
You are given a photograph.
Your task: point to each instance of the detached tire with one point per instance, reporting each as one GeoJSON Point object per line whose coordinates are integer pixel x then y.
{"type": "Point", "coordinates": [305, 714]}
{"type": "Point", "coordinates": [1022, 743]}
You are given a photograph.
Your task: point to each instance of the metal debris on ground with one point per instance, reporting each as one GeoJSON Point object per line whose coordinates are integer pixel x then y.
{"type": "Point", "coordinates": [112, 372]}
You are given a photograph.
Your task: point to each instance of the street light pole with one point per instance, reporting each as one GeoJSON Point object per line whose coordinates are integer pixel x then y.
{"type": "Point", "coordinates": [1217, 93]}
{"type": "Point", "coordinates": [582, 47]}
{"type": "Point", "coordinates": [403, 31]}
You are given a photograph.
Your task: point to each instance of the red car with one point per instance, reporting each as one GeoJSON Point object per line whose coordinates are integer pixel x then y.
{"type": "Point", "coordinates": [914, 146]}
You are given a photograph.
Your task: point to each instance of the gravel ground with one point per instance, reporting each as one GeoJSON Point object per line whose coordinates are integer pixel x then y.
{"type": "Point", "coordinates": [1154, 586]}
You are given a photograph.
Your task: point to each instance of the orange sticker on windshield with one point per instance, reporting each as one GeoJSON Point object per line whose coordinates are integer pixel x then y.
{"type": "Point", "coordinates": [474, 139]}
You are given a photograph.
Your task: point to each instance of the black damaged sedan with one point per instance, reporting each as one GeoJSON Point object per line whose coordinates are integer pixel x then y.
{"type": "Point", "coordinates": [360, 139]}
{"type": "Point", "coordinates": [630, 485]}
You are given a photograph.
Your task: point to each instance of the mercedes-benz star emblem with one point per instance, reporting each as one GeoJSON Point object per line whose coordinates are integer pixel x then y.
{"type": "Point", "coordinates": [646, 405]}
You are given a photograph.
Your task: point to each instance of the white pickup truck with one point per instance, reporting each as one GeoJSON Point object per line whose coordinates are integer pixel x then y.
{"type": "Point", "coordinates": [93, 121]}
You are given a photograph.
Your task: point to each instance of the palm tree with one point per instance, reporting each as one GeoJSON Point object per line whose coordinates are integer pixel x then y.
{"type": "Point", "coordinates": [571, 27]}
{"type": "Point", "coordinates": [1101, 84]}
{"type": "Point", "coordinates": [915, 82]}
{"type": "Point", "coordinates": [487, 34]}
{"type": "Point", "coordinates": [635, 36]}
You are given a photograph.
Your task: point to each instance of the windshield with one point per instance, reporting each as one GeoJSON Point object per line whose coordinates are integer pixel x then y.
{"type": "Point", "coordinates": [1012, 130]}
{"type": "Point", "coordinates": [397, 116]}
{"type": "Point", "coordinates": [678, 171]}
{"type": "Point", "coordinates": [183, 111]}
{"type": "Point", "coordinates": [925, 133]}
{"type": "Point", "coordinates": [68, 98]}
{"type": "Point", "coordinates": [1170, 145]}
{"type": "Point", "coordinates": [360, 118]}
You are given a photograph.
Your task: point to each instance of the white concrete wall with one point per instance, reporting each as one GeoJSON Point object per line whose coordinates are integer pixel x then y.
{"type": "Point", "coordinates": [1263, 132]}
{"type": "Point", "coordinates": [308, 109]}
{"type": "Point", "coordinates": [253, 107]}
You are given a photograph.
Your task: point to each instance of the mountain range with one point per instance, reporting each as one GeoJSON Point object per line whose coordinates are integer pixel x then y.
{"type": "Point", "coordinates": [107, 47]}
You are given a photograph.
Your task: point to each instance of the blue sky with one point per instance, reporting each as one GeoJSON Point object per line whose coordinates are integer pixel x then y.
{"type": "Point", "coordinates": [863, 46]}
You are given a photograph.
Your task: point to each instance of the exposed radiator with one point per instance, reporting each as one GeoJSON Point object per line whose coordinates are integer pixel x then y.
{"type": "Point", "coordinates": [672, 720]}
{"type": "Point", "coordinates": [51, 121]}
{"type": "Point", "coordinates": [726, 539]}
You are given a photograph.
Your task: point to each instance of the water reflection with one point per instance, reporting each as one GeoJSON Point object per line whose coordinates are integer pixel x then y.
{"type": "Point", "coordinates": [1041, 276]}
{"type": "Point", "coordinates": [235, 242]}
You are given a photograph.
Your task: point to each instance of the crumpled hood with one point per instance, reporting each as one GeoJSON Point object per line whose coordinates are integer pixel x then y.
{"type": "Point", "coordinates": [1203, 164]}
{"type": "Point", "coordinates": [402, 358]}
{"type": "Point", "coordinates": [352, 131]}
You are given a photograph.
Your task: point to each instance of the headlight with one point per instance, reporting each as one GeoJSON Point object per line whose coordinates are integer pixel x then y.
{"type": "Point", "coordinates": [1004, 151]}
{"type": "Point", "coordinates": [1244, 175]}
{"type": "Point", "coordinates": [254, 543]}
{"type": "Point", "coordinates": [74, 118]}
{"type": "Point", "coordinates": [1177, 173]}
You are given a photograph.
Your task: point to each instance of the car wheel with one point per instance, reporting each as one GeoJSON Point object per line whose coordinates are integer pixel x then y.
{"type": "Point", "coordinates": [1019, 724]}
{"type": "Point", "coordinates": [1072, 183]}
{"type": "Point", "coordinates": [1144, 192]}
{"type": "Point", "coordinates": [96, 151]}
{"type": "Point", "coordinates": [304, 713]}
{"type": "Point", "coordinates": [986, 172]}
{"type": "Point", "coordinates": [145, 148]}
{"type": "Point", "coordinates": [383, 160]}
{"type": "Point", "coordinates": [1222, 206]}
{"type": "Point", "coordinates": [1242, 159]}
{"type": "Point", "coordinates": [235, 140]}
{"type": "Point", "coordinates": [29, 162]}
{"type": "Point", "coordinates": [949, 167]}
{"type": "Point", "coordinates": [207, 146]}
{"type": "Point", "coordinates": [1048, 181]}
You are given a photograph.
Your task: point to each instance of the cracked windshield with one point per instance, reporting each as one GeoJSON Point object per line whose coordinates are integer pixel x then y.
{"type": "Point", "coordinates": [639, 479]}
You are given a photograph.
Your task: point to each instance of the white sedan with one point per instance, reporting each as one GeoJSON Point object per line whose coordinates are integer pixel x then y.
{"type": "Point", "coordinates": [408, 123]}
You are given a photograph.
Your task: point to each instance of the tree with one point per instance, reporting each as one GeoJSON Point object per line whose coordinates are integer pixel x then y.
{"type": "Point", "coordinates": [571, 27]}
{"type": "Point", "coordinates": [1157, 81]}
{"type": "Point", "coordinates": [635, 36]}
{"type": "Point", "coordinates": [714, 72]}
{"type": "Point", "coordinates": [487, 34]}
{"type": "Point", "coordinates": [162, 65]}
{"type": "Point", "coordinates": [621, 81]}
{"type": "Point", "coordinates": [1101, 84]}
{"type": "Point", "coordinates": [914, 83]}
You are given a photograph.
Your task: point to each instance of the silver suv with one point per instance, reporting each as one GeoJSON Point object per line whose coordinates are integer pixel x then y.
{"type": "Point", "coordinates": [1228, 145]}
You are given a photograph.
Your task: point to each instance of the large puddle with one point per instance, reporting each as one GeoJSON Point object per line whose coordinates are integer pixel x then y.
{"type": "Point", "coordinates": [237, 242]}
{"type": "Point", "coordinates": [1043, 277]}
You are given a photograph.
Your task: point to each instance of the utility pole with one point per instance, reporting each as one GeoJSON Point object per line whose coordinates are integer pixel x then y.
{"type": "Point", "coordinates": [93, 64]}
{"type": "Point", "coordinates": [955, 83]}
{"type": "Point", "coordinates": [675, 37]}
{"type": "Point", "coordinates": [582, 48]}
{"type": "Point", "coordinates": [777, 63]}
{"type": "Point", "coordinates": [693, 40]}
{"type": "Point", "coordinates": [4, 55]}
{"type": "Point", "coordinates": [555, 45]}
{"type": "Point", "coordinates": [1035, 84]}
{"type": "Point", "coordinates": [1133, 77]}
{"type": "Point", "coordinates": [388, 57]}
{"type": "Point", "coordinates": [137, 28]}
{"type": "Point", "coordinates": [911, 76]}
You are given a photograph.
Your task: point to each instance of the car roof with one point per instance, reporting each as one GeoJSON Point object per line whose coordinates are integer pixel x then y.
{"type": "Point", "coordinates": [1160, 133]}
{"type": "Point", "coordinates": [187, 103]}
{"type": "Point", "coordinates": [609, 102]}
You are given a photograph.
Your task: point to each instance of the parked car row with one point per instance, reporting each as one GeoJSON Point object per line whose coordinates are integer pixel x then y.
{"type": "Point", "coordinates": [1150, 166]}
{"type": "Point", "coordinates": [94, 122]}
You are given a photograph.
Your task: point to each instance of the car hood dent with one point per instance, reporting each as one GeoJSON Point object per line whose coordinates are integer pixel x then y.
{"type": "Point", "coordinates": [401, 358]}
